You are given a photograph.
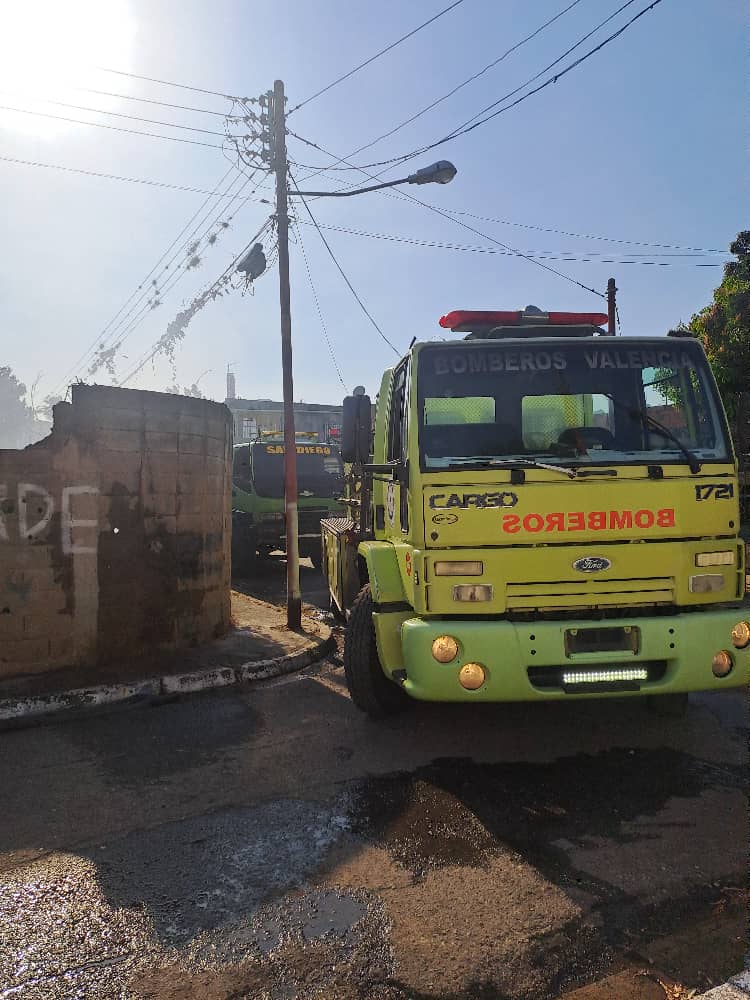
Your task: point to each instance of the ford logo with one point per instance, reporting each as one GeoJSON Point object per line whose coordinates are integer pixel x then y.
{"type": "Point", "coordinates": [444, 519]}
{"type": "Point", "coordinates": [591, 564]}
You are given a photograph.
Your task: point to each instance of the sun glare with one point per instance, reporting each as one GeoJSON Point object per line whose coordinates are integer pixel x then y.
{"type": "Point", "coordinates": [49, 49]}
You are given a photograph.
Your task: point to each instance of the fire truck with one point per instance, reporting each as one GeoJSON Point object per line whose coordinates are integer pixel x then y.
{"type": "Point", "coordinates": [539, 511]}
{"type": "Point", "coordinates": [258, 520]}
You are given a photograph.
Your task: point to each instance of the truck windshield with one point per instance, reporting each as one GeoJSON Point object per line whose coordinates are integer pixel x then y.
{"type": "Point", "coordinates": [320, 472]}
{"type": "Point", "coordinates": [569, 403]}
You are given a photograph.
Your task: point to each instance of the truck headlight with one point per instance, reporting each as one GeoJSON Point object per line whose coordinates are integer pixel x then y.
{"type": "Point", "coordinates": [715, 558]}
{"type": "Point", "coordinates": [445, 649]}
{"type": "Point", "coordinates": [471, 676]}
{"type": "Point", "coordinates": [722, 663]}
{"type": "Point", "coordinates": [741, 635]}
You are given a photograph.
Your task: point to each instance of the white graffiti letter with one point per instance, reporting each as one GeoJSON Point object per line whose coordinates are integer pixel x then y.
{"type": "Point", "coordinates": [68, 522]}
{"type": "Point", "coordinates": [24, 490]}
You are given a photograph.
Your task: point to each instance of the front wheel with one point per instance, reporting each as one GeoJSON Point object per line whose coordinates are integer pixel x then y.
{"type": "Point", "coordinates": [370, 689]}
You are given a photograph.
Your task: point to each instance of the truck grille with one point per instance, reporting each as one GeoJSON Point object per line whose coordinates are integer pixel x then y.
{"type": "Point", "coordinates": [589, 594]}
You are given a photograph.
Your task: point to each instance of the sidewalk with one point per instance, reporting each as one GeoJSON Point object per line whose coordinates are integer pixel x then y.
{"type": "Point", "coordinates": [259, 646]}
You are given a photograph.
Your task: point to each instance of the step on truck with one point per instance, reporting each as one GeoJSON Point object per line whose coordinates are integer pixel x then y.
{"type": "Point", "coordinates": [539, 511]}
{"type": "Point", "coordinates": [258, 520]}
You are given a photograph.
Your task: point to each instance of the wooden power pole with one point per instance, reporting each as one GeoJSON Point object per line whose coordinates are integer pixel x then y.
{"type": "Point", "coordinates": [293, 594]}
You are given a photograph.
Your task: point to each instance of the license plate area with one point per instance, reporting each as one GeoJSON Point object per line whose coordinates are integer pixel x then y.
{"type": "Point", "coordinates": [610, 639]}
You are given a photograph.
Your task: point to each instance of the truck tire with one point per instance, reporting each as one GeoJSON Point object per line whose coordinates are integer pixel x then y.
{"type": "Point", "coordinates": [370, 689]}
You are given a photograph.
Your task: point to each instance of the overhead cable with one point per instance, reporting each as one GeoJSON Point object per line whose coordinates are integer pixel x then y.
{"type": "Point", "coordinates": [460, 86]}
{"type": "Point", "coordinates": [477, 232]}
{"type": "Point", "coordinates": [317, 307]}
{"type": "Point", "coordinates": [110, 177]}
{"type": "Point", "coordinates": [115, 114]}
{"type": "Point", "coordinates": [167, 83]}
{"type": "Point", "coordinates": [105, 335]}
{"type": "Point", "coordinates": [470, 124]}
{"type": "Point", "coordinates": [377, 55]}
{"type": "Point", "coordinates": [565, 255]}
{"type": "Point", "coordinates": [341, 271]}
{"type": "Point", "coordinates": [159, 346]}
{"type": "Point", "coordinates": [111, 128]}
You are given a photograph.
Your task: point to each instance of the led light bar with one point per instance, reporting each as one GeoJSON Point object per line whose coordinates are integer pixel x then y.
{"type": "Point", "coordinates": [605, 676]}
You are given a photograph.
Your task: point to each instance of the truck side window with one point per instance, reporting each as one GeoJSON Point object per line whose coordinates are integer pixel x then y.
{"type": "Point", "coordinates": [397, 414]}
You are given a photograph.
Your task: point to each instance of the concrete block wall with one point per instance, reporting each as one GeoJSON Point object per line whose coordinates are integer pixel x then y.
{"type": "Point", "coordinates": [115, 531]}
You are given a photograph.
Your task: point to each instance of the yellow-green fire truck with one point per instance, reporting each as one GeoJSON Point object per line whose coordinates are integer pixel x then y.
{"type": "Point", "coordinates": [258, 520]}
{"type": "Point", "coordinates": [540, 512]}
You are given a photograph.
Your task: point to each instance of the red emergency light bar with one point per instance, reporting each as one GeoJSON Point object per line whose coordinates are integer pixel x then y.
{"type": "Point", "coordinates": [470, 319]}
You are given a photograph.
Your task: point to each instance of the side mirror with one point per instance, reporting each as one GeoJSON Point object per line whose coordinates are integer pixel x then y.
{"type": "Point", "coordinates": [356, 426]}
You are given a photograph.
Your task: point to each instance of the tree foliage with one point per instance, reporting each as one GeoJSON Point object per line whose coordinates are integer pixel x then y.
{"type": "Point", "coordinates": [18, 423]}
{"type": "Point", "coordinates": [724, 329]}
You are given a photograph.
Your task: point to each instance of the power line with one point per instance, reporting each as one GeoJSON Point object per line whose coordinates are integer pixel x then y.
{"type": "Point", "coordinates": [477, 232]}
{"type": "Point", "coordinates": [149, 100]}
{"type": "Point", "coordinates": [341, 271]}
{"type": "Point", "coordinates": [584, 257]}
{"type": "Point", "coordinates": [317, 306]}
{"type": "Point", "coordinates": [203, 297]}
{"type": "Point", "coordinates": [377, 55]}
{"type": "Point", "coordinates": [167, 83]}
{"type": "Point", "coordinates": [110, 177]}
{"type": "Point", "coordinates": [460, 86]}
{"type": "Point", "coordinates": [470, 124]}
{"type": "Point", "coordinates": [581, 236]}
{"type": "Point", "coordinates": [129, 306]}
{"type": "Point", "coordinates": [116, 114]}
{"type": "Point", "coordinates": [191, 249]}
{"type": "Point", "coordinates": [111, 128]}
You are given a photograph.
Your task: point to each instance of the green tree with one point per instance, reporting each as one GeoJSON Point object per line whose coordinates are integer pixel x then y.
{"type": "Point", "coordinates": [724, 330]}
{"type": "Point", "coordinates": [724, 326]}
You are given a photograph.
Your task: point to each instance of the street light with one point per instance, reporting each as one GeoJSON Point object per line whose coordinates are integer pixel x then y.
{"type": "Point", "coordinates": [441, 172]}
{"type": "Point", "coordinates": [437, 173]}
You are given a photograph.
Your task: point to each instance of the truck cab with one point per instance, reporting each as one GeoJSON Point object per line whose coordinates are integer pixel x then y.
{"type": "Point", "coordinates": [258, 520]}
{"type": "Point", "coordinates": [540, 512]}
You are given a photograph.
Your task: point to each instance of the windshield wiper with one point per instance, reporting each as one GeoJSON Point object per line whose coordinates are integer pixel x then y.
{"type": "Point", "coordinates": [651, 422]}
{"type": "Point", "coordinates": [514, 463]}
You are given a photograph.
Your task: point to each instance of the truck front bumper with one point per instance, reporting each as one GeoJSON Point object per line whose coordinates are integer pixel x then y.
{"type": "Point", "coordinates": [546, 660]}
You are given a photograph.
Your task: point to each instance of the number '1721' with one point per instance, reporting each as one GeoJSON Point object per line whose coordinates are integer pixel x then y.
{"type": "Point", "coordinates": [714, 491]}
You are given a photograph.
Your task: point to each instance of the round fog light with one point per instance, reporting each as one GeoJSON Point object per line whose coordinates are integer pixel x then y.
{"type": "Point", "coordinates": [471, 676]}
{"type": "Point", "coordinates": [741, 635]}
{"type": "Point", "coordinates": [445, 648]}
{"type": "Point", "coordinates": [722, 663]}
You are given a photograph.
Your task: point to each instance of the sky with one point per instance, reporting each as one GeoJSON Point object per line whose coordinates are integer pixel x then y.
{"type": "Point", "coordinates": [643, 142]}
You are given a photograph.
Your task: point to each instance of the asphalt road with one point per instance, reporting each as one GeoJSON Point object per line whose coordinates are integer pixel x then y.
{"type": "Point", "coordinates": [273, 843]}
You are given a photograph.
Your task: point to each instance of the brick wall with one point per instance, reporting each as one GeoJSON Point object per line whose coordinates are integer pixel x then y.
{"type": "Point", "coordinates": [115, 531]}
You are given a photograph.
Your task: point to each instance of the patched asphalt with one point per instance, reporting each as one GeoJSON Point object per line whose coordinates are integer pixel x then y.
{"type": "Point", "coordinates": [273, 843]}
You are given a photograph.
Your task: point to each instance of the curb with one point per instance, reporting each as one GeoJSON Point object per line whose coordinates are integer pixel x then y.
{"type": "Point", "coordinates": [737, 988]}
{"type": "Point", "coordinates": [27, 711]}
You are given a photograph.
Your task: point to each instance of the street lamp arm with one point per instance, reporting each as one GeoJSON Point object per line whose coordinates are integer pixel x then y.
{"type": "Point", "coordinates": [347, 194]}
{"type": "Point", "coordinates": [441, 172]}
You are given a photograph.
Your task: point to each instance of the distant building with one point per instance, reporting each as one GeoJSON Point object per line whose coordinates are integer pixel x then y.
{"type": "Point", "coordinates": [251, 416]}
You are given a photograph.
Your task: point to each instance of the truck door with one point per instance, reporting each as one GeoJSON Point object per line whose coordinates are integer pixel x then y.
{"type": "Point", "coordinates": [397, 492]}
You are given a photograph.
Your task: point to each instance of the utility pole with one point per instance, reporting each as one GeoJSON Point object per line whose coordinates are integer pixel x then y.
{"type": "Point", "coordinates": [611, 307]}
{"type": "Point", "coordinates": [293, 594]}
